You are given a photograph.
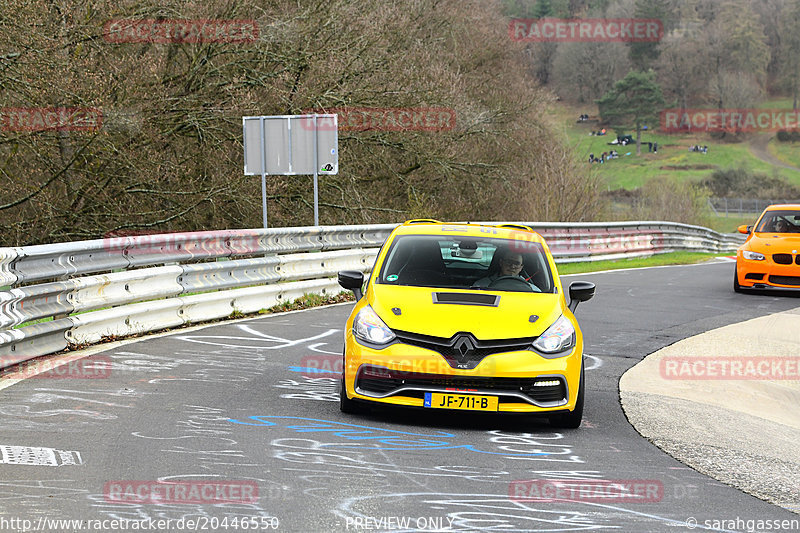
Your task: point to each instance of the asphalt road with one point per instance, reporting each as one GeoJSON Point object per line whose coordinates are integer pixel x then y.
{"type": "Point", "coordinates": [235, 403]}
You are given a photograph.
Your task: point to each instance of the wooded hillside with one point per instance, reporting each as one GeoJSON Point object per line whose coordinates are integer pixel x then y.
{"type": "Point", "coordinates": [166, 154]}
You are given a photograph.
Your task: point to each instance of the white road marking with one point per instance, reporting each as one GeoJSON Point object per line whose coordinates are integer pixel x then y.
{"type": "Point", "coordinates": [36, 456]}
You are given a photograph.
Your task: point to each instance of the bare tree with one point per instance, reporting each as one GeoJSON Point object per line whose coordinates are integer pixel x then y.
{"type": "Point", "coordinates": [789, 51]}
{"type": "Point", "coordinates": [682, 67]}
{"type": "Point", "coordinates": [735, 90]}
{"type": "Point", "coordinates": [168, 156]}
{"type": "Point", "coordinates": [585, 71]}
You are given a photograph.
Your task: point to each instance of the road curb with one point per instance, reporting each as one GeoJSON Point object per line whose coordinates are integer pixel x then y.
{"type": "Point", "coordinates": [740, 432]}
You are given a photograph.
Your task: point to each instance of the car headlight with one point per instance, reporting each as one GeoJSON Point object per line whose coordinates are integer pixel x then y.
{"type": "Point", "coordinates": [369, 327]}
{"type": "Point", "coordinates": [753, 256]}
{"type": "Point", "coordinates": [558, 337]}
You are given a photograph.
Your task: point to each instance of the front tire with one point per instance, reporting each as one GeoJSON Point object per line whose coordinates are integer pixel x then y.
{"type": "Point", "coordinates": [736, 286]}
{"type": "Point", "coordinates": [346, 405]}
{"type": "Point", "coordinates": [572, 420]}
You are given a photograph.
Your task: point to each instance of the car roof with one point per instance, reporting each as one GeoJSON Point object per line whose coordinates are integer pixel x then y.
{"type": "Point", "coordinates": [468, 229]}
{"type": "Point", "coordinates": [778, 207]}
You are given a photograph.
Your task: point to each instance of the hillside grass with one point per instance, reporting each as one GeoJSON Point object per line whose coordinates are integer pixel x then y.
{"type": "Point", "coordinates": [789, 152]}
{"type": "Point", "coordinates": [729, 224]}
{"type": "Point", "coordinates": [673, 160]}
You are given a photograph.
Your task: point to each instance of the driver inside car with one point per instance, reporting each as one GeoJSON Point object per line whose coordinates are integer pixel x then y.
{"type": "Point", "coordinates": [782, 226]}
{"type": "Point", "coordinates": [510, 264]}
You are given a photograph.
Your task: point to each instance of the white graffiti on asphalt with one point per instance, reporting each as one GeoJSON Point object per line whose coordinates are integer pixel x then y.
{"type": "Point", "coordinates": [256, 340]}
{"type": "Point", "coordinates": [320, 389]}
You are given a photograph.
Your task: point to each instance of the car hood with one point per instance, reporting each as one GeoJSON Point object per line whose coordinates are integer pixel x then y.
{"type": "Point", "coordinates": [510, 318]}
{"type": "Point", "coordinates": [775, 243]}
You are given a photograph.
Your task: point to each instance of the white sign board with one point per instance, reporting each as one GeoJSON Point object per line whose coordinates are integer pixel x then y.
{"type": "Point", "coordinates": [286, 145]}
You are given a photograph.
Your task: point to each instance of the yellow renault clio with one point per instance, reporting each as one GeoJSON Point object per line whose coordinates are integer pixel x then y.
{"type": "Point", "coordinates": [467, 317]}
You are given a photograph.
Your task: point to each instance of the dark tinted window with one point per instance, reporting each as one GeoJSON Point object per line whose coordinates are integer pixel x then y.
{"type": "Point", "coordinates": [466, 263]}
{"type": "Point", "coordinates": [780, 221]}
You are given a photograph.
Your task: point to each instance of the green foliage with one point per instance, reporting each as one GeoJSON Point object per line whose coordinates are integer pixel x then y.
{"type": "Point", "coordinates": [743, 46]}
{"type": "Point", "coordinates": [788, 136]}
{"type": "Point", "coordinates": [311, 300]}
{"type": "Point", "coordinates": [740, 182]}
{"type": "Point", "coordinates": [537, 8]}
{"type": "Point", "coordinates": [543, 9]}
{"type": "Point", "coordinates": [636, 98]}
{"type": "Point", "coordinates": [665, 199]}
{"type": "Point", "coordinates": [643, 54]}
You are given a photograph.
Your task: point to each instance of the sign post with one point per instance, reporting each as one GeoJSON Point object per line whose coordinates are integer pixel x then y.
{"type": "Point", "coordinates": [290, 145]}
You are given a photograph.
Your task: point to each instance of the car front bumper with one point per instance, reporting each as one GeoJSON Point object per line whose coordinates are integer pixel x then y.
{"type": "Point", "coordinates": [401, 374]}
{"type": "Point", "coordinates": [767, 274]}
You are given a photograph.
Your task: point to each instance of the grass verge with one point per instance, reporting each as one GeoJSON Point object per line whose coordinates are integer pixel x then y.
{"type": "Point", "coordinates": [672, 258]}
{"type": "Point", "coordinates": [788, 152]}
{"type": "Point", "coordinates": [730, 224]}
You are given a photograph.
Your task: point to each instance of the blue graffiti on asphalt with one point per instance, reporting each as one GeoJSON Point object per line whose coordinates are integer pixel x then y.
{"type": "Point", "coordinates": [356, 436]}
{"type": "Point", "coordinates": [309, 370]}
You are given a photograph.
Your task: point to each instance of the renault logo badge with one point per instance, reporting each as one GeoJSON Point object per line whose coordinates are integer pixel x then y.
{"type": "Point", "coordinates": [464, 346]}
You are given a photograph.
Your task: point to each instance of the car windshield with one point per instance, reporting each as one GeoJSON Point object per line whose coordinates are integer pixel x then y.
{"type": "Point", "coordinates": [476, 263]}
{"type": "Point", "coordinates": [780, 221]}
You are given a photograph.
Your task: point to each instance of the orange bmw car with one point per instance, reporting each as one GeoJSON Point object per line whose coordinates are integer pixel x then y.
{"type": "Point", "coordinates": [770, 257]}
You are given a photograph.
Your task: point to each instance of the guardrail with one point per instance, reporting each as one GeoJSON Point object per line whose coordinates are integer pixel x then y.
{"type": "Point", "coordinates": [86, 291]}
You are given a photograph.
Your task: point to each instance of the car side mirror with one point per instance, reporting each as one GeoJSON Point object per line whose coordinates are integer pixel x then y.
{"type": "Point", "coordinates": [352, 280]}
{"type": "Point", "coordinates": [580, 291]}
{"type": "Point", "coordinates": [745, 229]}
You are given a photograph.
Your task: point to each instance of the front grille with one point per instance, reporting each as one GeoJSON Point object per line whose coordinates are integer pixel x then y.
{"type": "Point", "coordinates": [797, 259]}
{"type": "Point", "coordinates": [782, 259]}
{"type": "Point", "coordinates": [785, 280]}
{"type": "Point", "coordinates": [378, 385]}
{"type": "Point", "coordinates": [463, 350]}
{"type": "Point", "coordinates": [391, 380]}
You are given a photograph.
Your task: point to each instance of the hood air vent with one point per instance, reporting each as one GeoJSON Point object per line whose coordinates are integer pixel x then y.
{"type": "Point", "coordinates": [469, 298]}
